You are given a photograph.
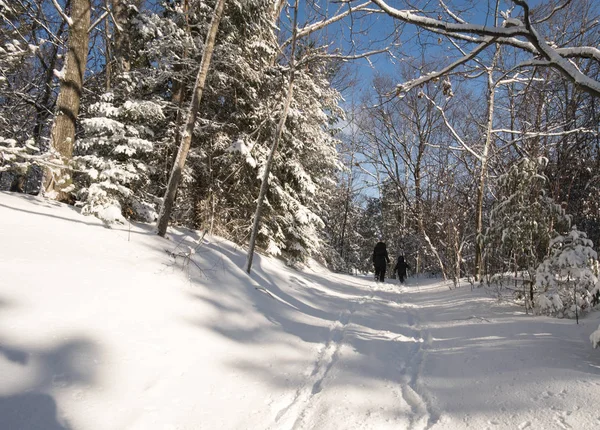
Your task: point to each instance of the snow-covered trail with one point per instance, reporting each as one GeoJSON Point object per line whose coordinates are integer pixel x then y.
{"type": "Point", "coordinates": [350, 382]}
{"type": "Point", "coordinates": [365, 373]}
{"type": "Point", "coordinates": [99, 330]}
{"type": "Point", "coordinates": [421, 356]}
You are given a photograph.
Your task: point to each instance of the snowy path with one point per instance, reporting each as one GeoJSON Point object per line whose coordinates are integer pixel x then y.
{"type": "Point", "coordinates": [378, 338]}
{"type": "Point", "coordinates": [99, 330]}
{"type": "Point", "coordinates": [423, 357]}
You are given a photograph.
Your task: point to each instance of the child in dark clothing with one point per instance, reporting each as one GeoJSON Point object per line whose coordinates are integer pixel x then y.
{"type": "Point", "coordinates": [401, 267]}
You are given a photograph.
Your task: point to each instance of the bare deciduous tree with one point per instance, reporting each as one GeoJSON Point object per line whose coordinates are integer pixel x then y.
{"type": "Point", "coordinates": [184, 147]}
{"type": "Point", "coordinates": [520, 32]}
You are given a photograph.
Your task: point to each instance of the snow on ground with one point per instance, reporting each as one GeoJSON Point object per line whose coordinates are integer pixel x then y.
{"type": "Point", "coordinates": [100, 330]}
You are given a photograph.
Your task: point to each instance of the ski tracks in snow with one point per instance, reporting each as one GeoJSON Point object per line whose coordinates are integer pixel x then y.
{"type": "Point", "coordinates": [411, 369]}
{"type": "Point", "coordinates": [408, 355]}
{"type": "Point", "coordinates": [410, 362]}
{"type": "Point", "coordinates": [293, 415]}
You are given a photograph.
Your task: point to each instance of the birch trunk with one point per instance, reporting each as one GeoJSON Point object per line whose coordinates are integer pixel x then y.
{"type": "Point", "coordinates": [186, 140]}
{"type": "Point", "coordinates": [419, 207]}
{"type": "Point", "coordinates": [265, 180]}
{"type": "Point", "coordinates": [346, 207]}
{"type": "Point", "coordinates": [483, 171]}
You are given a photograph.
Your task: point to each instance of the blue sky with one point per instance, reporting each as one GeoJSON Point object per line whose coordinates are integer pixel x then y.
{"type": "Point", "coordinates": [373, 32]}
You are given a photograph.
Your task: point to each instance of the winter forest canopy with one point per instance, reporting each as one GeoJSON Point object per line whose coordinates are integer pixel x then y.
{"type": "Point", "coordinates": [463, 133]}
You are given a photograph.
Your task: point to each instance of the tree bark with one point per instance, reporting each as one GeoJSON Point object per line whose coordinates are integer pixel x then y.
{"type": "Point", "coordinates": [184, 147]}
{"type": "Point", "coordinates": [483, 171]}
{"type": "Point", "coordinates": [71, 87]}
{"type": "Point", "coordinates": [44, 106]}
{"type": "Point", "coordinates": [121, 38]}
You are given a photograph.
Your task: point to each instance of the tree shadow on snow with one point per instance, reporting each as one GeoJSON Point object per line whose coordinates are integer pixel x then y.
{"type": "Point", "coordinates": [386, 330]}
{"type": "Point", "coordinates": [308, 306]}
{"type": "Point", "coordinates": [30, 411]}
{"type": "Point", "coordinates": [38, 371]}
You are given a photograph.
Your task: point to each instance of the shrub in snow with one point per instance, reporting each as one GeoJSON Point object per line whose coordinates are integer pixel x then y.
{"type": "Point", "coordinates": [595, 338]}
{"type": "Point", "coordinates": [567, 279]}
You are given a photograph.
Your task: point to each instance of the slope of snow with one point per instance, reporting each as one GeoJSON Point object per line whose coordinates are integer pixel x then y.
{"type": "Point", "coordinates": [99, 329]}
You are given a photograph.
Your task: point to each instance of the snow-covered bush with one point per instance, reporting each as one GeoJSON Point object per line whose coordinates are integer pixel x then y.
{"type": "Point", "coordinates": [567, 279]}
{"type": "Point", "coordinates": [595, 338]}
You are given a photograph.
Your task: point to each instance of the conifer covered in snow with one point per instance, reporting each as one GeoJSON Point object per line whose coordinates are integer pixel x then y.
{"type": "Point", "coordinates": [114, 153]}
{"type": "Point", "coordinates": [304, 166]}
{"type": "Point", "coordinates": [567, 279]}
{"type": "Point", "coordinates": [129, 131]}
{"type": "Point", "coordinates": [19, 74]}
{"type": "Point", "coordinates": [243, 98]}
{"type": "Point", "coordinates": [523, 221]}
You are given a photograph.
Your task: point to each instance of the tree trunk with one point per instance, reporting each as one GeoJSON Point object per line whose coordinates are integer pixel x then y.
{"type": "Point", "coordinates": [483, 171]}
{"type": "Point", "coordinates": [265, 180]}
{"type": "Point", "coordinates": [184, 147]}
{"type": "Point", "coordinates": [44, 107]}
{"type": "Point", "coordinates": [71, 87]}
{"type": "Point", "coordinates": [419, 206]}
{"type": "Point", "coordinates": [121, 38]}
{"type": "Point", "coordinates": [347, 206]}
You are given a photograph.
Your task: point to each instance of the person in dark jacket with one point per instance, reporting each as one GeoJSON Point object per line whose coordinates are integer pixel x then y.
{"type": "Point", "coordinates": [380, 261]}
{"type": "Point", "coordinates": [400, 268]}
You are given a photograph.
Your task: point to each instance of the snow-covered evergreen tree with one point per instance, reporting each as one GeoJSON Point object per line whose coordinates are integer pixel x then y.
{"type": "Point", "coordinates": [523, 221]}
{"type": "Point", "coordinates": [567, 279]}
{"type": "Point", "coordinates": [241, 105]}
{"type": "Point", "coordinates": [24, 61]}
{"type": "Point", "coordinates": [114, 153]}
{"type": "Point", "coordinates": [304, 166]}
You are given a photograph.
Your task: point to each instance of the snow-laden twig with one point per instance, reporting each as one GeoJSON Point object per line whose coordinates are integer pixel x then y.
{"type": "Point", "coordinates": [512, 34]}
{"type": "Point", "coordinates": [309, 29]}
{"type": "Point", "coordinates": [407, 86]}
{"type": "Point", "coordinates": [98, 21]}
{"type": "Point", "coordinates": [533, 135]}
{"type": "Point", "coordinates": [314, 57]}
{"type": "Point", "coordinates": [453, 131]}
{"type": "Point", "coordinates": [49, 159]}
{"type": "Point", "coordinates": [555, 59]}
{"type": "Point", "coordinates": [64, 16]}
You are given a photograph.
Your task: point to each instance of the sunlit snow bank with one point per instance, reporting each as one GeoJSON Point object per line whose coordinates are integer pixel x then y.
{"type": "Point", "coordinates": [101, 329]}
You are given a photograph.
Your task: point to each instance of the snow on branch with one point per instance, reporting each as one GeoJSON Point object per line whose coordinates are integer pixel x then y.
{"type": "Point", "coordinates": [64, 16]}
{"type": "Point", "coordinates": [14, 155]}
{"type": "Point", "coordinates": [452, 129]}
{"type": "Point", "coordinates": [557, 61]}
{"type": "Point", "coordinates": [341, 57]}
{"type": "Point", "coordinates": [411, 17]}
{"type": "Point", "coordinates": [533, 135]}
{"type": "Point", "coordinates": [580, 52]}
{"type": "Point", "coordinates": [309, 29]}
{"type": "Point", "coordinates": [452, 14]}
{"type": "Point", "coordinates": [98, 21]}
{"type": "Point", "coordinates": [510, 33]}
{"type": "Point", "coordinates": [407, 86]}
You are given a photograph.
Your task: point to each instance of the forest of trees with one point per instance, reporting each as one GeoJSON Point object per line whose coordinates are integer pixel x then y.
{"type": "Point", "coordinates": [474, 151]}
